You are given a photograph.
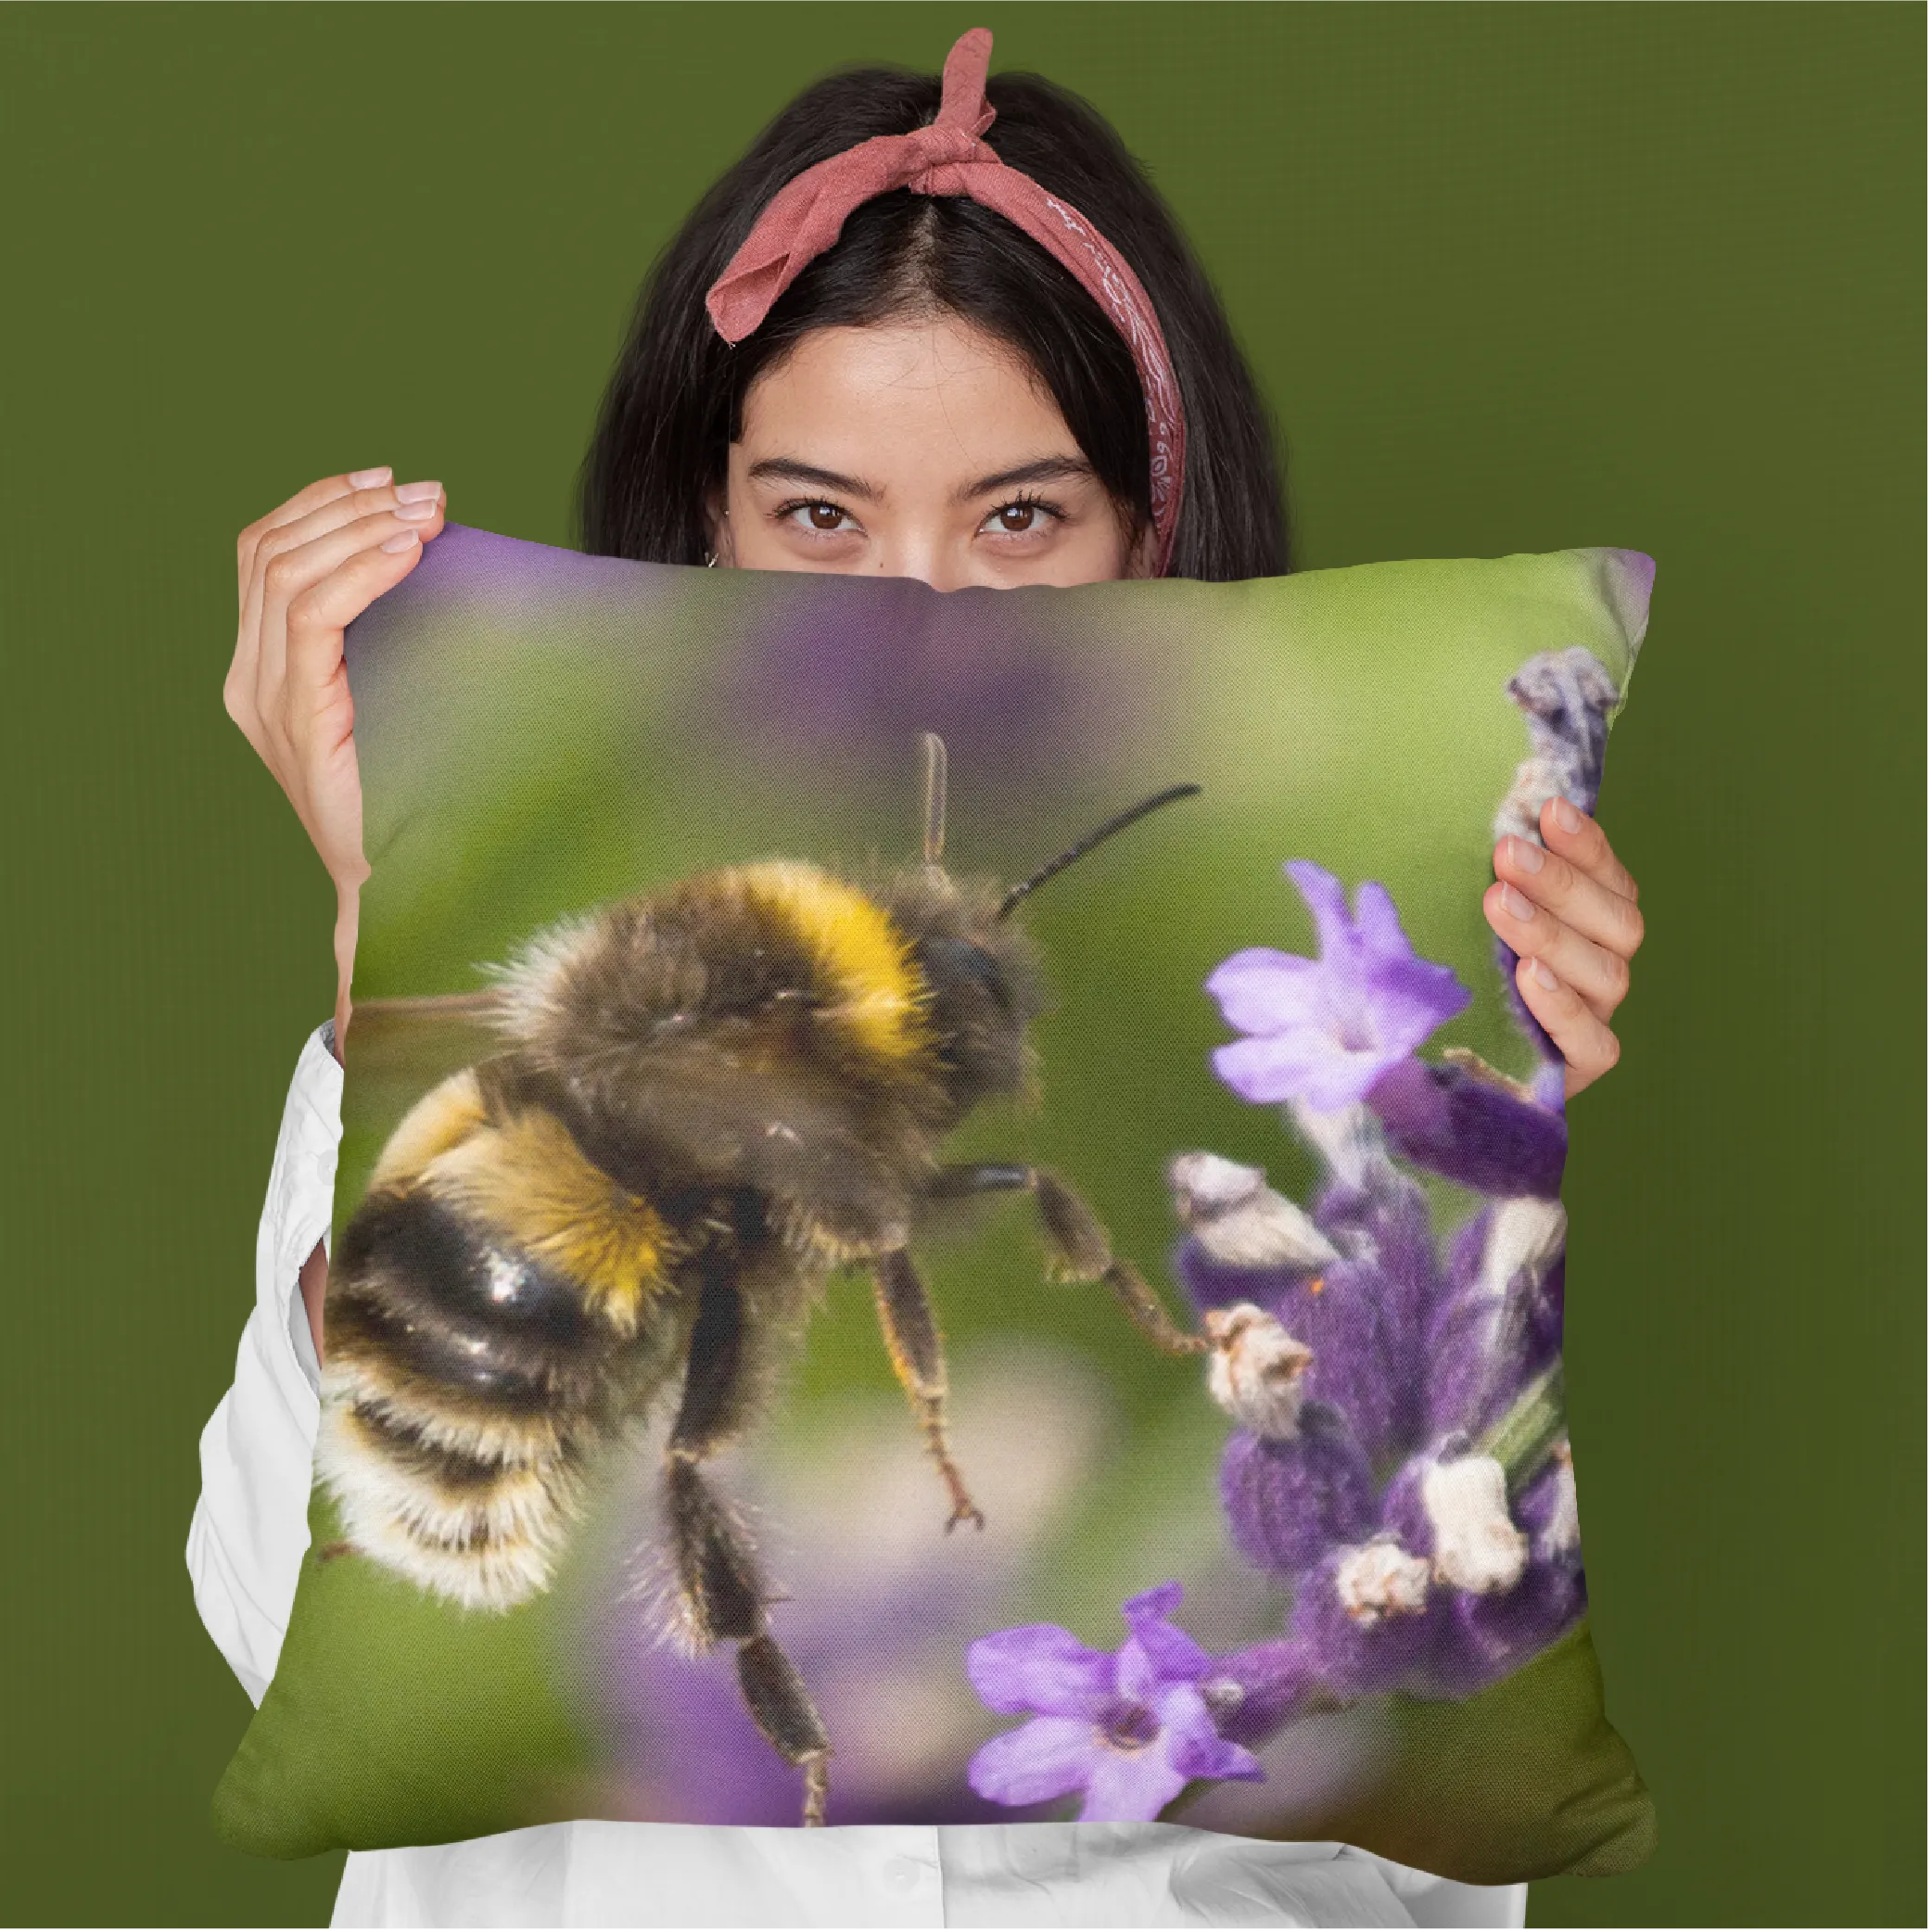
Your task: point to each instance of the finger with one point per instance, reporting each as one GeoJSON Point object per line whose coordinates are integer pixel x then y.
{"type": "Point", "coordinates": [1601, 978]}
{"type": "Point", "coordinates": [289, 572]}
{"type": "Point", "coordinates": [1589, 1049]}
{"type": "Point", "coordinates": [1605, 917]}
{"type": "Point", "coordinates": [1579, 838]}
{"type": "Point", "coordinates": [318, 615]}
{"type": "Point", "coordinates": [334, 514]}
{"type": "Point", "coordinates": [304, 501]}
{"type": "Point", "coordinates": [330, 507]}
{"type": "Point", "coordinates": [315, 711]}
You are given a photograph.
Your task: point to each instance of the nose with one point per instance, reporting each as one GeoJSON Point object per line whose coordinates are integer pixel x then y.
{"type": "Point", "coordinates": [925, 554]}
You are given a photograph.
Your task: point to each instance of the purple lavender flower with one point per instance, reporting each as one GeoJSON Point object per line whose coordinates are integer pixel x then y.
{"type": "Point", "coordinates": [1383, 1218]}
{"type": "Point", "coordinates": [1367, 1362]}
{"type": "Point", "coordinates": [1501, 1321]}
{"type": "Point", "coordinates": [1362, 1622]}
{"type": "Point", "coordinates": [1460, 1505]}
{"type": "Point", "coordinates": [1397, 1457]}
{"type": "Point", "coordinates": [1356, 1285]}
{"type": "Point", "coordinates": [1326, 1029]}
{"type": "Point", "coordinates": [1488, 1635]}
{"type": "Point", "coordinates": [1289, 1499]}
{"type": "Point", "coordinates": [1472, 1130]}
{"type": "Point", "coordinates": [1130, 1728]}
{"type": "Point", "coordinates": [1376, 1618]}
{"type": "Point", "coordinates": [1506, 1577]}
{"type": "Point", "coordinates": [1567, 699]}
{"type": "Point", "coordinates": [1256, 1690]}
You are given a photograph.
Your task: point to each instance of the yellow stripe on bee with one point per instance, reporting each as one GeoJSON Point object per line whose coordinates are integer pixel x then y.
{"type": "Point", "coordinates": [443, 1118]}
{"type": "Point", "coordinates": [528, 1181]}
{"type": "Point", "coordinates": [854, 946]}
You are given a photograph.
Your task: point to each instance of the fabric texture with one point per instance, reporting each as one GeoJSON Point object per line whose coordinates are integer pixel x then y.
{"type": "Point", "coordinates": [735, 1067]}
{"type": "Point", "coordinates": [245, 1551]}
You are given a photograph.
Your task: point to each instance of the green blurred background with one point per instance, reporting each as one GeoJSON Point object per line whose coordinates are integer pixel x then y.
{"type": "Point", "coordinates": [1515, 277]}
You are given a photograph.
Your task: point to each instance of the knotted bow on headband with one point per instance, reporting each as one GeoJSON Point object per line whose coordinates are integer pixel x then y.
{"type": "Point", "coordinates": [803, 219]}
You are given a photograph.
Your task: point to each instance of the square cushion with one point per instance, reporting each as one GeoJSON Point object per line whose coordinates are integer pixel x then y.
{"type": "Point", "coordinates": [815, 1334]}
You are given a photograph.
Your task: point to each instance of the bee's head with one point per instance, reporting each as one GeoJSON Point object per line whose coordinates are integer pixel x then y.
{"type": "Point", "coordinates": [983, 991]}
{"type": "Point", "coordinates": [979, 989]}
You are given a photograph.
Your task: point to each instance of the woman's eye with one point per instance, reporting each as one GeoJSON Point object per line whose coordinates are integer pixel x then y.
{"type": "Point", "coordinates": [821, 516]}
{"type": "Point", "coordinates": [1018, 520]}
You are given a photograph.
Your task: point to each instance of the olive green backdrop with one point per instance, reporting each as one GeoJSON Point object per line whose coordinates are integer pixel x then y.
{"type": "Point", "coordinates": [1517, 277]}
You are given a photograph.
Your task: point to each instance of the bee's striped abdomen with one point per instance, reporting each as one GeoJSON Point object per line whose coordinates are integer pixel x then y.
{"type": "Point", "coordinates": [480, 1335]}
{"type": "Point", "coordinates": [453, 1314]}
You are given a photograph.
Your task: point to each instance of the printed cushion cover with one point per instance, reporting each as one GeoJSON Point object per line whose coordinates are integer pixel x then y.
{"type": "Point", "coordinates": [852, 1300]}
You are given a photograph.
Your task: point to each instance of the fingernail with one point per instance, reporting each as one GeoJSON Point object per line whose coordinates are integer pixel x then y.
{"type": "Point", "coordinates": [368, 479]}
{"type": "Point", "coordinates": [402, 539]}
{"type": "Point", "coordinates": [1516, 905]}
{"type": "Point", "coordinates": [1566, 816]}
{"type": "Point", "coordinates": [413, 511]}
{"type": "Point", "coordinates": [1525, 856]}
{"type": "Point", "coordinates": [418, 492]}
{"type": "Point", "coordinates": [1543, 975]}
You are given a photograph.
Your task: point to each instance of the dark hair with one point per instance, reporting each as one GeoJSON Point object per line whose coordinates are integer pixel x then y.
{"type": "Point", "coordinates": [675, 397]}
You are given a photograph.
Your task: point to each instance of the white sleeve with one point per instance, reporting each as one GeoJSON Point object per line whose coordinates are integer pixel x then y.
{"type": "Point", "coordinates": [252, 1524]}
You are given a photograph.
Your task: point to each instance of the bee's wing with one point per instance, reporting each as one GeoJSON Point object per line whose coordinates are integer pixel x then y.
{"type": "Point", "coordinates": [399, 1049]}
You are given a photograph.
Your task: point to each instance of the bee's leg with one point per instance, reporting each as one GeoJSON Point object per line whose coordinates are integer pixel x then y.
{"type": "Point", "coordinates": [912, 1338]}
{"type": "Point", "coordinates": [1077, 1246]}
{"type": "Point", "coordinates": [723, 1595]}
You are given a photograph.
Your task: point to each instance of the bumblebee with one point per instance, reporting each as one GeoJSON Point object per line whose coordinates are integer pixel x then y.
{"type": "Point", "coordinates": [703, 1101]}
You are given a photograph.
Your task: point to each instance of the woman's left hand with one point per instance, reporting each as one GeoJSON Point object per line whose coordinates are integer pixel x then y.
{"type": "Point", "coordinates": [1568, 910]}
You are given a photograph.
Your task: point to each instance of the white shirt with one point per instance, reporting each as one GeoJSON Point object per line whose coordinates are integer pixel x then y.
{"type": "Point", "coordinates": [245, 1552]}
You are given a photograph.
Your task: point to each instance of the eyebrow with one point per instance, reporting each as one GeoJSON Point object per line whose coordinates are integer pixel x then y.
{"type": "Point", "coordinates": [1043, 469]}
{"type": "Point", "coordinates": [784, 470]}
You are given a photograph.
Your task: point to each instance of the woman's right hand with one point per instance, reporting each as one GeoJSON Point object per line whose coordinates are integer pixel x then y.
{"type": "Point", "coordinates": [306, 571]}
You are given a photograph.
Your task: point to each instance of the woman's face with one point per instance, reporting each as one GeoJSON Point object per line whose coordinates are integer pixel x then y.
{"type": "Point", "coordinates": [916, 447]}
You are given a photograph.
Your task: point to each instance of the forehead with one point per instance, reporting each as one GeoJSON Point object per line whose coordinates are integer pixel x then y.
{"type": "Point", "coordinates": [919, 390]}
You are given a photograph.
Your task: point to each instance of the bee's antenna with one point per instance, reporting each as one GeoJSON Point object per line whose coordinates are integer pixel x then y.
{"type": "Point", "coordinates": [1098, 835]}
{"type": "Point", "coordinates": [936, 795]}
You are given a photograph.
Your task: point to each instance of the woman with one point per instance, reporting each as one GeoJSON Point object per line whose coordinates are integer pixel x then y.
{"type": "Point", "coordinates": [941, 332]}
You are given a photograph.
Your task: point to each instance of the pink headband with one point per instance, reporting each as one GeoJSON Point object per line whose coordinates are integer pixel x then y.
{"type": "Point", "coordinates": [804, 218]}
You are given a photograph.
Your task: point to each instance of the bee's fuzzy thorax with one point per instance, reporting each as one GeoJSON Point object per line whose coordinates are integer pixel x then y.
{"type": "Point", "coordinates": [907, 985]}
{"type": "Point", "coordinates": [727, 949]}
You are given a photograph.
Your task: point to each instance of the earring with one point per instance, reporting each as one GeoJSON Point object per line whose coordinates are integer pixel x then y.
{"type": "Point", "coordinates": [710, 561]}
